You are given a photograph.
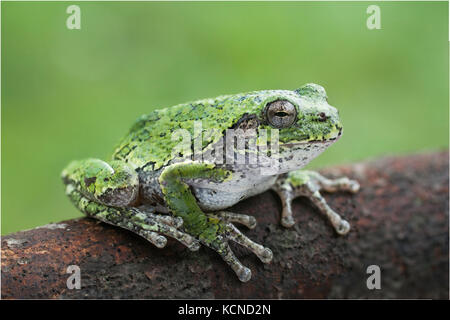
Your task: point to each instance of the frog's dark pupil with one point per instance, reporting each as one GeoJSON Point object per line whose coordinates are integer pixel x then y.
{"type": "Point", "coordinates": [281, 113]}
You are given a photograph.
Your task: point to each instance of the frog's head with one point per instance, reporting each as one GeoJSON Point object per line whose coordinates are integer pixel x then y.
{"type": "Point", "coordinates": [304, 121]}
{"type": "Point", "coordinates": [302, 116]}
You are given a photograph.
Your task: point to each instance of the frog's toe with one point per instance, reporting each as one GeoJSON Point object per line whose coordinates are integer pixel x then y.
{"type": "Point", "coordinates": [246, 220]}
{"type": "Point", "coordinates": [251, 222]}
{"type": "Point", "coordinates": [343, 228]}
{"type": "Point", "coordinates": [194, 246]}
{"type": "Point", "coordinates": [244, 274]}
{"type": "Point", "coordinates": [340, 184]}
{"type": "Point", "coordinates": [287, 221]}
{"type": "Point", "coordinates": [221, 246]}
{"type": "Point", "coordinates": [186, 239]}
{"type": "Point", "coordinates": [266, 256]}
{"type": "Point", "coordinates": [354, 186]}
{"type": "Point", "coordinates": [160, 242]}
{"type": "Point", "coordinates": [150, 213]}
{"type": "Point", "coordinates": [177, 222]}
{"type": "Point", "coordinates": [263, 253]}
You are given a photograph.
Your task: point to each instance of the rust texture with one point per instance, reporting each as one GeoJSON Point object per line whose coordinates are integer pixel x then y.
{"type": "Point", "coordinates": [399, 222]}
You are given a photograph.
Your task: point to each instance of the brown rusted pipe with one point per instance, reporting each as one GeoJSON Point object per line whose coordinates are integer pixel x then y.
{"type": "Point", "coordinates": [399, 222]}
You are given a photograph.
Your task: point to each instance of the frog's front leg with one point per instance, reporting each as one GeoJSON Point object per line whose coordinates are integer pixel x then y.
{"type": "Point", "coordinates": [108, 191]}
{"type": "Point", "coordinates": [309, 184]}
{"type": "Point", "coordinates": [214, 229]}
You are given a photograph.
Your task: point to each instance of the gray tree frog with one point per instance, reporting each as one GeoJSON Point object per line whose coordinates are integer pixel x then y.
{"type": "Point", "coordinates": [155, 192]}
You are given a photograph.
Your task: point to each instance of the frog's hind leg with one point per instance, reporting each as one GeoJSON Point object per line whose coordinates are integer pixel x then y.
{"type": "Point", "coordinates": [151, 227]}
{"type": "Point", "coordinates": [108, 191]}
{"type": "Point", "coordinates": [308, 184]}
{"type": "Point", "coordinates": [215, 229]}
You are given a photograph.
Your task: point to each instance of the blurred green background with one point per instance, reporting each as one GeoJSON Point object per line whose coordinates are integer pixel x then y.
{"type": "Point", "coordinates": [71, 94]}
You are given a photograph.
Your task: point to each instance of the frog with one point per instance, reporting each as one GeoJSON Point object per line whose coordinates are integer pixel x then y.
{"type": "Point", "coordinates": [157, 187]}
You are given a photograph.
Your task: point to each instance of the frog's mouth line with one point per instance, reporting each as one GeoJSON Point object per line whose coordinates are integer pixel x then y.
{"type": "Point", "coordinates": [324, 141]}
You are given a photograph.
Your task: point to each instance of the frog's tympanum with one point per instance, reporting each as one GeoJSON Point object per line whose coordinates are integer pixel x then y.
{"type": "Point", "coordinates": [154, 188]}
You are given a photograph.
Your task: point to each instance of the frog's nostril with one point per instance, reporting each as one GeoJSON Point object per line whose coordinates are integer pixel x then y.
{"type": "Point", "coordinates": [322, 116]}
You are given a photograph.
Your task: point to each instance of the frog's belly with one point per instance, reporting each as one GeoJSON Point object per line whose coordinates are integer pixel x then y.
{"type": "Point", "coordinates": [214, 199]}
{"type": "Point", "coordinates": [210, 196]}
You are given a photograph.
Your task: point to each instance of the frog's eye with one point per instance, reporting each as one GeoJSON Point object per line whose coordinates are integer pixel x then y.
{"type": "Point", "coordinates": [281, 114]}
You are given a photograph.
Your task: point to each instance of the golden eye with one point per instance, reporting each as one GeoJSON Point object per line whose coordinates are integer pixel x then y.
{"type": "Point", "coordinates": [281, 114]}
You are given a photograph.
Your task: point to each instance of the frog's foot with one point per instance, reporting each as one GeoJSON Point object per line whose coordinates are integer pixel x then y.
{"type": "Point", "coordinates": [248, 221]}
{"type": "Point", "coordinates": [308, 184]}
{"type": "Point", "coordinates": [221, 246]}
{"type": "Point", "coordinates": [153, 227]}
{"type": "Point", "coordinates": [264, 254]}
{"type": "Point", "coordinates": [107, 191]}
{"type": "Point", "coordinates": [150, 226]}
{"type": "Point", "coordinates": [175, 222]}
{"type": "Point", "coordinates": [341, 226]}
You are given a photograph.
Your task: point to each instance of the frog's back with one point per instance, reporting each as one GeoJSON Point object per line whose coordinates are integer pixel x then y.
{"type": "Point", "coordinates": [149, 142]}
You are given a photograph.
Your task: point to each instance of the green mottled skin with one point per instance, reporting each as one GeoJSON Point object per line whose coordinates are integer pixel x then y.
{"type": "Point", "coordinates": [181, 200]}
{"type": "Point", "coordinates": [95, 176]}
{"type": "Point", "coordinates": [298, 178]}
{"type": "Point", "coordinates": [111, 191]}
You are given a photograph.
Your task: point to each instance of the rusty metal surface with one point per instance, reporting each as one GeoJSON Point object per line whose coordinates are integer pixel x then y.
{"type": "Point", "coordinates": [399, 222]}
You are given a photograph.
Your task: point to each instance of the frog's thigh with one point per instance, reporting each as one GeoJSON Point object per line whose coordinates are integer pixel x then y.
{"type": "Point", "coordinates": [308, 184]}
{"type": "Point", "coordinates": [178, 195]}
